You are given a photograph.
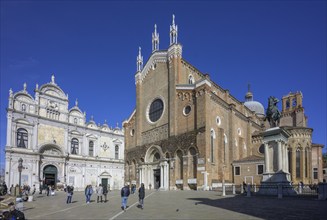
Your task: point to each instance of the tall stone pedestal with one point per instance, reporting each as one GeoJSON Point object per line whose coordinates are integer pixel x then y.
{"type": "Point", "coordinates": [269, 186]}
{"type": "Point", "coordinates": [276, 163]}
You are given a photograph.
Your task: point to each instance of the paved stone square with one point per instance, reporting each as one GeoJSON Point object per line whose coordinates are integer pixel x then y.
{"type": "Point", "coordinates": [176, 205]}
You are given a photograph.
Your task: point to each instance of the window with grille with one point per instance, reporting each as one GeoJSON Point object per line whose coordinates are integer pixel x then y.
{"type": "Point", "coordinates": [116, 152]}
{"type": "Point", "coordinates": [298, 170]}
{"type": "Point", "coordinates": [91, 147]}
{"type": "Point", "coordinates": [315, 173]}
{"type": "Point", "coordinates": [74, 146]}
{"type": "Point", "coordinates": [22, 138]}
{"type": "Point", "coordinates": [237, 171]}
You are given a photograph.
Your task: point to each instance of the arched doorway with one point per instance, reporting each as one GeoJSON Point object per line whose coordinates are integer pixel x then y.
{"type": "Point", "coordinates": [50, 174]}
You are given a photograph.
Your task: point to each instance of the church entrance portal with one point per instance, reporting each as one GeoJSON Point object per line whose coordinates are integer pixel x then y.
{"type": "Point", "coordinates": [156, 178]}
{"type": "Point", "coordinates": [50, 174]}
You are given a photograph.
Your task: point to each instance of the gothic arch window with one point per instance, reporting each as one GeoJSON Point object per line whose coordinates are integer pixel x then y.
{"type": "Point", "coordinates": [306, 162]}
{"type": "Point", "coordinates": [298, 163]}
{"type": "Point", "coordinates": [91, 148]}
{"type": "Point", "coordinates": [290, 160]}
{"type": "Point", "coordinates": [287, 104]}
{"type": "Point", "coordinates": [190, 79]}
{"type": "Point", "coordinates": [116, 152]}
{"type": "Point", "coordinates": [74, 146]}
{"type": "Point", "coordinates": [225, 146]}
{"type": "Point", "coordinates": [22, 138]}
{"type": "Point", "coordinates": [212, 137]}
{"type": "Point", "coordinates": [156, 157]}
{"type": "Point", "coordinates": [294, 102]}
{"type": "Point", "coordinates": [179, 165]}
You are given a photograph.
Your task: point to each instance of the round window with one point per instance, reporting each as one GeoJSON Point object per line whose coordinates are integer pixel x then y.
{"type": "Point", "coordinates": [187, 110]}
{"type": "Point", "coordinates": [156, 110]}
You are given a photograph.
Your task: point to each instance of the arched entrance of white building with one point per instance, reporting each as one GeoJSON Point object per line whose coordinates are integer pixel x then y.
{"type": "Point", "coordinates": [50, 174]}
{"type": "Point", "coordinates": [155, 170]}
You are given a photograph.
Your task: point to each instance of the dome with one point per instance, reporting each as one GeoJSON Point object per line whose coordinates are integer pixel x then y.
{"type": "Point", "coordinates": [255, 106]}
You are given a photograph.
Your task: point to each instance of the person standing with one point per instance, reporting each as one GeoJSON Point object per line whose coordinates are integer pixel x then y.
{"type": "Point", "coordinates": [99, 193]}
{"type": "Point", "coordinates": [48, 190]}
{"type": "Point", "coordinates": [70, 192]}
{"type": "Point", "coordinates": [244, 187]}
{"type": "Point", "coordinates": [88, 193]}
{"type": "Point", "coordinates": [124, 196]}
{"type": "Point", "coordinates": [141, 195]}
{"type": "Point", "coordinates": [105, 192]}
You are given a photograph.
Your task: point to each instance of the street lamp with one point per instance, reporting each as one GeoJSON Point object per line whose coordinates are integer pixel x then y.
{"type": "Point", "coordinates": [20, 167]}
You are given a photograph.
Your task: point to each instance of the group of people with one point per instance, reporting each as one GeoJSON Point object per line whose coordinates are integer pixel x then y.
{"type": "Point", "coordinates": [125, 192]}
{"type": "Point", "coordinates": [102, 192]}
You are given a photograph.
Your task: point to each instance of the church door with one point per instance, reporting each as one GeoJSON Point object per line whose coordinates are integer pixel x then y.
{"type": "Point", "coordinates": [50, 174]}
{"type": "Point", "coordinates": [156, 178]}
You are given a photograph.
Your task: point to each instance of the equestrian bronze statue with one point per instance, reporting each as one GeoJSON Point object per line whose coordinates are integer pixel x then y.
{"type": "Point", "coordinates": [273, 114]}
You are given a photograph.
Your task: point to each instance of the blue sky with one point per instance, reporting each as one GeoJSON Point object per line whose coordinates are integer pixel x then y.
{"type": "Point", "coordinates": [91, 47]}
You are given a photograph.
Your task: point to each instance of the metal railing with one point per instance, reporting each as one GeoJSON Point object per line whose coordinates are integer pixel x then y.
{"type": "Point", "coordinates": [295, 190]}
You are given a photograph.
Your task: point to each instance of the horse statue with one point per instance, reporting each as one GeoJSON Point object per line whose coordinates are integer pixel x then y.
{"type": "Point", "coordinates": [273, 114]}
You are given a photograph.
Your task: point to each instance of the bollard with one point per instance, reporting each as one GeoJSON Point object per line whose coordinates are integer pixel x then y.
{"type": "Point", "coordinates": [248, 193]}
{"type": "Point", "coordinates": [255, 188]}
{"type": "Point", "coordinates": [242, 190]}
{"type": "Point", "coordinates": [280, 191]}
{"type": "Point", "coordinates": [224, 190]}
{"type": "Point", "coordinates": [234, 189]}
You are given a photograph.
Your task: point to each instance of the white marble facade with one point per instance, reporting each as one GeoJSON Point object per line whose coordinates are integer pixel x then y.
{"type": "Point", "coordinates": [56, 143]}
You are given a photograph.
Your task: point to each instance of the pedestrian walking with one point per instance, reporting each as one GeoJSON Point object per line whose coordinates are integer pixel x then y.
{"type": "Point", "coordinates": [141, 195]}
{"type": "Point", "coordinates": [105, 192]}
{"type": "Point", "coordinates": [124, 196]}
{"type": "Point", "coordinates": [48, 190]}
{"type": "Point", "coordinates": [99, 193]}
{"type": "Point", "coordinates": [70, 192]}
{"type": "Point", "coordinates": [88, 193]}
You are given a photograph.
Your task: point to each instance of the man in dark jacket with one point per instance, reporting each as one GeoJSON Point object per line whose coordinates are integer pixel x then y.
{"type": "Point", "coordinates": [105, 192]}
{"type": "Point", "coordinates": [124, 196]}
{"type": "Point", "coordinates": [141, 195]}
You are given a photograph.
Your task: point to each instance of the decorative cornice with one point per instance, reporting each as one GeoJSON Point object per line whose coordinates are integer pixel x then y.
{"type": "Point", "coordinates": [219, 101]}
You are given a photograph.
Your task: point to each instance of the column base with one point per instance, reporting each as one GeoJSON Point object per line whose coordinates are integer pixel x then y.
{"type": "Point", "coordinates": [271, 181]}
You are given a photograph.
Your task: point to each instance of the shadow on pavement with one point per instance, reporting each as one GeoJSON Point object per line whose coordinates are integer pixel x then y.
{"type": "Point", "coordinates": [269, 207]}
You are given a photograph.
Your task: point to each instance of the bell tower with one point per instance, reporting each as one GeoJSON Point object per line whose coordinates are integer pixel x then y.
{"type": "Point", "coordinates": [293, 111]}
